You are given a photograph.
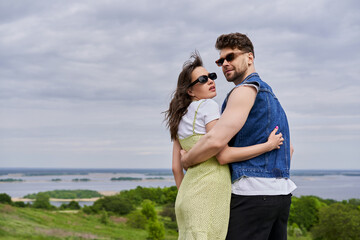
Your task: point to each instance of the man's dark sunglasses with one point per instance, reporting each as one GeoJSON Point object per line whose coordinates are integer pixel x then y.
{"type": "Point", "coordinates": [203, 79]}
{"type": "Point", "coordinates": [228, 58]}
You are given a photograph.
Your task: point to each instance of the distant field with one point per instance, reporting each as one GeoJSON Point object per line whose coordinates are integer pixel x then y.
{"type": "Point", "coordinates": [30, 224]}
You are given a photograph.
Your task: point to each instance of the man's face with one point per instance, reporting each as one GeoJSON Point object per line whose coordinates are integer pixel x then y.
{"type": "Point", "coordinates": [235, 64]}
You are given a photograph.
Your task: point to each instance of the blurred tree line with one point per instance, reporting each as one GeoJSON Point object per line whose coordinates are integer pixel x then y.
{"type": "Point", "coordinates": [324, 218]}
{"type": "Point", "coordinates": [67, 194]}
{"type": "Point", "coordinates": [153, 209]}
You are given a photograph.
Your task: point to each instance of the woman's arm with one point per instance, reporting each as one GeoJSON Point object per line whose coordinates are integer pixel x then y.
{"type": "Point", "coordinates": [237, 154]}
{"type": "Point", "coordinates": [177, 168]}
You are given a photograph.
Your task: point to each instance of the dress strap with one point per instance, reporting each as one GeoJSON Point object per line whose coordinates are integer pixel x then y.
{"type": "Point", "coordinates": [196, 114]}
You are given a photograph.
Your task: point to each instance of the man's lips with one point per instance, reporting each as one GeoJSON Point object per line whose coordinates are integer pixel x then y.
{"type": "Point", "coordinates": [212, 88]}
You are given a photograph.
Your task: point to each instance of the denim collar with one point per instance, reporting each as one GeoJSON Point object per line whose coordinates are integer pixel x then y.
{"type": "Point", "coordinates": [248, 77]}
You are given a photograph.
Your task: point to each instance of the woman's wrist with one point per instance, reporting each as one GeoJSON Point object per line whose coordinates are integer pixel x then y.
{"type": "Point", "coordinates": [268, 146]}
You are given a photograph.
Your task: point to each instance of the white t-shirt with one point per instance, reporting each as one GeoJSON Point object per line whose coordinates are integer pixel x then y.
{"type": "Point", "coordinates": [207, 112]}
{"type": "Point", "coordinates": [262, 186]}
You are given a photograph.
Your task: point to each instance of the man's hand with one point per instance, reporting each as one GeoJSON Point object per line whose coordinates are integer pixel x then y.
{"type": "Point", "coordinates": [183, 159]}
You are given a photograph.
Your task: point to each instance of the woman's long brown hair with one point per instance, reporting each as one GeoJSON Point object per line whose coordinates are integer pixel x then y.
{"type": "Point", "coordinates": [181, 99]}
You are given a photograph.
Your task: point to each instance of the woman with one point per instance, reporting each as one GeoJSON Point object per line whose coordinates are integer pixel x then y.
{"type": "Point", "coordinates": [203, 202]}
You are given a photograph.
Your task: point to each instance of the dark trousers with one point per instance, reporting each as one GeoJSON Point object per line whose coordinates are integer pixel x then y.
{"type": "Point", "coordinates": [259, 217]}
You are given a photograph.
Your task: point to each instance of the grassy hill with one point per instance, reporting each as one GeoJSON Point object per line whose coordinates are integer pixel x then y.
{"type": "Point", "coordinates": [107, 217]}
{"type": "Point", "coordinates": [28, 223]}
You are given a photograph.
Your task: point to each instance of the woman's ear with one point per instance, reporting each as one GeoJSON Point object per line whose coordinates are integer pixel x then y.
{"type": "Point", "coordinates": [190, 92]}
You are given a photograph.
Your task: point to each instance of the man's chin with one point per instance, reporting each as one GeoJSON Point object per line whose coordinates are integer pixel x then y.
{"type": "Point", "coordinates": [236, 78]}
{"type": "Point", "coordinates": [230, 79]}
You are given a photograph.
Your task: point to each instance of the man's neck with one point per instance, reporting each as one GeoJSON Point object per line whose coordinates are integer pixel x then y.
{"type": "Point", "coordinates": [237, 82]}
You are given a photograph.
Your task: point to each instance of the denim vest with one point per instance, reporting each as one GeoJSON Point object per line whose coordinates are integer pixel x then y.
{"type": "Point", "coordinates": [264, 116]}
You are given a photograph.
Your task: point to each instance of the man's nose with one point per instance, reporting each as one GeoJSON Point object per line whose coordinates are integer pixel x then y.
{"type": "Point", "coordinates": [225, 63]}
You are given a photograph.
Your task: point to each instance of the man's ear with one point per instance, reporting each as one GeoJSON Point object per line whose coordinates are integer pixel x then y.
{"type": "Point", "coordinates": [251, 58]}
{"type": "Point", "coordinates": [190, 92]}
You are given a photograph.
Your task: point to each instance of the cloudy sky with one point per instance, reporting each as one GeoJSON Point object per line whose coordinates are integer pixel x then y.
{"type": "Point", "coordinates": [84, 83]}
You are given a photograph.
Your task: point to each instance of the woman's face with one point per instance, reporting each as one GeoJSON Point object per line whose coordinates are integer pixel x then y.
{"type": "Point", "coordinates": [201, 90]}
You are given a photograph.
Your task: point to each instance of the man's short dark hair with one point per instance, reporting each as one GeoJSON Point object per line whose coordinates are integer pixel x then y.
{"type": "Point", "coordinates": [235, 40]}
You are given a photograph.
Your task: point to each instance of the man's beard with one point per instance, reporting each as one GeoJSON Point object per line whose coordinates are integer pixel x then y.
{"type": "Point", "coordinates": [238, 76]}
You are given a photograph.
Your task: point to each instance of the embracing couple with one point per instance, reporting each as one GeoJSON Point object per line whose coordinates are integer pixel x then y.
{"type": "Point", "coordinates": [237, 182]}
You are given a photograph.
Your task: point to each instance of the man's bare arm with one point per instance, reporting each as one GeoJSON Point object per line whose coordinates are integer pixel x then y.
{"type": "Point", "coordinates": [231, 121]}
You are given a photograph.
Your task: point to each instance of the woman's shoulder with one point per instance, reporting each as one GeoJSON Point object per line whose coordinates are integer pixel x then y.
{"type": "Point", "coordinates": [204, 104]}
{"type": "Point", "coordinates": [210, 102]}
{"type": "Point", "coordinates": [209, 107]}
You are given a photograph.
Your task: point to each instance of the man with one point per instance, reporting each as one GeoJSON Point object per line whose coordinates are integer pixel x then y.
{"type": "Point", "coordinates": [261, 188]}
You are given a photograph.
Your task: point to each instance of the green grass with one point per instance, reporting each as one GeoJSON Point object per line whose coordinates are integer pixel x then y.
{"type": "Point", "coordinates": [37, 224]}
{"type": "Point", "coordinates": [27, 223]}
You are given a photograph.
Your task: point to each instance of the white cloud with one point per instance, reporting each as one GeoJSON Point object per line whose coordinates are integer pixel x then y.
{"type": "Point", "coordinates": [86, 82]}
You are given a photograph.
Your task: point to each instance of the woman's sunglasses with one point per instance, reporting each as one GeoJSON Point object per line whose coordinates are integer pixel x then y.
{"type": "Point", "coordinates": [230, 57]}
{"type": "Point", "coordinates": [203, 79]}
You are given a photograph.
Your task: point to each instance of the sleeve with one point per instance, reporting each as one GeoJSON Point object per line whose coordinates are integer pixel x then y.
{"type": "Point", "coordinates": [210, 111]}
{"type": "Point", "coordinates": [253, 84]}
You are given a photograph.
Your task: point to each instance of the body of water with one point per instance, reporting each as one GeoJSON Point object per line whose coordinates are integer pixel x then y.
{"type": "Point", "coordinates": [333, 184]}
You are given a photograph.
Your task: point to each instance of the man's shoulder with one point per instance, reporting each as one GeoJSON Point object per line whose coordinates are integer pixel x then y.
{"type": "Point", "coordinates": [241, 96]}
{"type": "Point", "coordinates": [243, 89]}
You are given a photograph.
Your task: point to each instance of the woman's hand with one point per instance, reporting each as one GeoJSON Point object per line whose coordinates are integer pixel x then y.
{"type": "Point", "coordinates": [182, 153]}
{"type": "Point", "coordinates": [275, 140]}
